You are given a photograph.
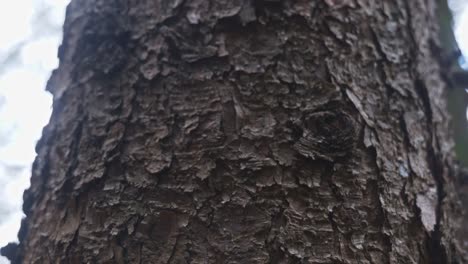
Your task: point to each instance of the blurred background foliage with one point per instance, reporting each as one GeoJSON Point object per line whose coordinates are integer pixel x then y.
{"type": "Point", "coordinates": [451, 14]}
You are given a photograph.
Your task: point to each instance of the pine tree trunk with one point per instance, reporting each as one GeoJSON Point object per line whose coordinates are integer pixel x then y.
{"type": "Point", "coordinates": [245, 131]}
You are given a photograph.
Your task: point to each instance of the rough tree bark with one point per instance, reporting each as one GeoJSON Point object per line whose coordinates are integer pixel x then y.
{"type": "Point", "coordinates": [245, 131]}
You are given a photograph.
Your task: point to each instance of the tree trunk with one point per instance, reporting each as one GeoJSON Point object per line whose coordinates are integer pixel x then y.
{"type": "Point", "coordinates": [245, 131]}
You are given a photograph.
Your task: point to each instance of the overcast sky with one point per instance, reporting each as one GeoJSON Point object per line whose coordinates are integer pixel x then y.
{"type": "Point", "coordinates": [32, 28]}
{"type": "Point", "coordinates": [30, 32]}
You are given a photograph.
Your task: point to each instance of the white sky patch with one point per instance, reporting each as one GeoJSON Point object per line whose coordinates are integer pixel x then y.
{"type": "Point", "coordinates": [26, 109]}
{"type": "Point", "coordinates": [13, 25]}
{"type": "Point", "coordinates": [461, 32]}
{"type": "Point", "coordinates": [26, 106]}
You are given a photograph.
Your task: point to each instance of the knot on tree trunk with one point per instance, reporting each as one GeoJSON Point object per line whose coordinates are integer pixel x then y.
{"type": "Point", "coordinates": [328, 135]}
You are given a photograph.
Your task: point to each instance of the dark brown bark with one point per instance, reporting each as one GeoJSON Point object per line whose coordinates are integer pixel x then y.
{"type": "Point", "coordinates": [245, 131]}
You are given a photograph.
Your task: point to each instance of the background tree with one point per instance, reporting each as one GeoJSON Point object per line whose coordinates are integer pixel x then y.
{"type": "Point", "coordinates": [245, 131]}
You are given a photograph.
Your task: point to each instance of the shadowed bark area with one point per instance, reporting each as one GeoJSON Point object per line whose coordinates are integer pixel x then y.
{"type": "Point", "coordinates": [245, 131]}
